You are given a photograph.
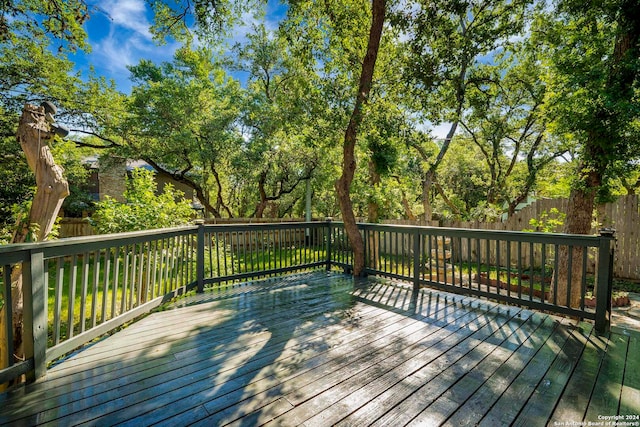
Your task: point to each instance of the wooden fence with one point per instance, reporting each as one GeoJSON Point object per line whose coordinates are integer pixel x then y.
{"type": "Point", "coordinates": [623, 215]}
{"type": "Point", "coordinates": [75, 227]}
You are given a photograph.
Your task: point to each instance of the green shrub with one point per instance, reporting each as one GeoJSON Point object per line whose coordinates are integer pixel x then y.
{"type": "Point", "coordinates": [143, 209]}
{"type": "Point", "coordinates": [549, 222]}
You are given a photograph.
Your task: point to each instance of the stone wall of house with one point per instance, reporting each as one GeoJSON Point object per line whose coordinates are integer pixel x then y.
{"type": "Point", "coordinates": [112, 178]}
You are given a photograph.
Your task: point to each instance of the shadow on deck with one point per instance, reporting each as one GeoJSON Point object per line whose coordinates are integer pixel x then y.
{"type": "Point", "coordinates": [323, 349]}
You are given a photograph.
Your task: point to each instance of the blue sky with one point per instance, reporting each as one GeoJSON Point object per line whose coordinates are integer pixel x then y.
{"type": "Point", "coordinates": [118, 32]}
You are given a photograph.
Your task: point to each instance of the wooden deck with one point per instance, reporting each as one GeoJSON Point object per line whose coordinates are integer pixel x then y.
{"type": "Point", "coordinates": [319, 349]}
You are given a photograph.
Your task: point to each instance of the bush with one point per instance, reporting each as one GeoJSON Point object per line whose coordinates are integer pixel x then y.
{"type": "Point", "coordinates": [549, 222]}
{"type": "Point", "coordinates": [143, 209]}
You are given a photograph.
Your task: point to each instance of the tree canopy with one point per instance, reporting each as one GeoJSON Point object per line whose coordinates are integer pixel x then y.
{"type": "Point", "coordinates": [529, 94]}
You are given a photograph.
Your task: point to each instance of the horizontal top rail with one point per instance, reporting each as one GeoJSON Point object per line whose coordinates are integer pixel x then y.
{"type": "Point", "coordinates": [81, 244]}
{"type": "Point", "coordinates": [511, 236]}
{"type": "Point", "coordinates": [265, 226]}
{"type": "Point", "coordinates": [15, 252]}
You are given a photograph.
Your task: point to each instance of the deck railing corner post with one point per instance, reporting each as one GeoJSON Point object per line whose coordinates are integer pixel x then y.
{"type": "Point", "coordinates": [604, 284]}
{"type": "Point", "coordinates": [200, 256]}
{"type": "Point", "coordinates": [34, 331]}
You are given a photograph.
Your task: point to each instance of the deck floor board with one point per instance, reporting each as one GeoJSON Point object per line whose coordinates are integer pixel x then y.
{"type": "Point", "coordinates": [630, 395]}
{"type": "Point", "coordinates": [531, 337]}
{"type": "Point", "coordinates": [322, 348]}
{"type": "Point", "coordinates": [605, 397]}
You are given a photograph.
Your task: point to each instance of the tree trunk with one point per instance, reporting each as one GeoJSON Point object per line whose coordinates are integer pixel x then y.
{"type": "Point", "coordinates": [219, 198]}
{"type": "Point", "coordinates": [405, 202]}
{"type": "Point", "coordinates": [373, 209]}
{"type": "Point", "coordinates": [578, 221]}
{"type": "Point", "coordinates": [262, 204]}
{"type": "Point", "coordinates": [51, 189]}
{"type": "Point", "coordinates": [445, 199]}
{"type": "Point", "coordinates": [426, 198]}
{"type": "Point", "coordinates": [179, 177]}
{"type": "Point", "coordinates": [343, 184]}
{"type": "Point", "coordinates": [430, 174]}
{"type": "Point", "coordinates": [373, 215]}
{"type": "Point", "coordinates": [579, 218]}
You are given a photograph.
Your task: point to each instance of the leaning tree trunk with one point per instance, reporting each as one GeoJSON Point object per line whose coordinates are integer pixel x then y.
{"type": "Point", "coordinates": [343, 184]}
{"type": "Point", "coordinates": [51, 189]}
{"type": "Point", "coordinates": [262, 204]}
{"type": "Point", "coordinates": [426, 199]}
{"type": "Point", "coordinates": [51, 186]}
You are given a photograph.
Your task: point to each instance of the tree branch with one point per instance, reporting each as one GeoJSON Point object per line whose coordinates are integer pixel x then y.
{"type": "Point", "coordinates": [111, 142]}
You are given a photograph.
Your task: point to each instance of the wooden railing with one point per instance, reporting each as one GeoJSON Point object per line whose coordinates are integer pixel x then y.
{"type": "Point", "coordinates": [513, 267]}
{"type": "Point", "coordinates": [75, 290]}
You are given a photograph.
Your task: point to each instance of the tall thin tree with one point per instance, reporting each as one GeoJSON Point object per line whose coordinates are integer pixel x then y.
{"type": "Point", "coordinates": [343, 184]}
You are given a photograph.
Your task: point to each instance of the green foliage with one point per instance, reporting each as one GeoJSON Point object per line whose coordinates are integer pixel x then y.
{"type": "Point", "coordinates": [278, 154]}
{"type": "Point", "coordinates": [17, 179]}
{"type": "Point", "coordinates": [549, 222]}
{"type": "Point", "coordinates": [35, 39]}
{"type": "Point", "coordinates": [382, 133]}
{"type": "Point", "coordinates": [20, 220]}
{"type": "Point", "coordinates": [460, 69]}
{"type": "Point", "coordinates": [29, 67]}
{"type": "Point", "coordinates": [183, 116]}
{"type": "Point", "coordinates": [26, 68]}
{"type": "Point", "coordinates": [71, 159]}
{"type": "Point", "coordinates": [507, 123]}
{"type": "Point", "coordinates": [450, 48]}
{"type": "Point", "coordinates": [593, 83]}
{"type": "Point", "coordinates": [554, 181]}
{"type": "Point", "coordinates": [213, 19]}
{"type": "Point", "coordinates": [20, 217]}
{"type": "Point", "coordinates": [467, 181]}
{"type": "Point", "coordinates": [523, 78]}
{"type": "Point", "coordinates": [5, 235]}
{"type": "Point", "coordinates": [143, 208]}
{"type": "Point", "coordinates": [30, 19]}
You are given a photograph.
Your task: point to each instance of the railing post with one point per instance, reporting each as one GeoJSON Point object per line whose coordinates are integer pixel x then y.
{"type": "Point", "coordinates": [329, 232]}
{"type": "Point", "coordinates": [604, 283]}
{"type": "Point", "coordinates": [34, 316]}
{"type": "Point", "coordinates": [416, 260]}
{"type": "Point", "coordinates": [200, 256]}
{"type": "Point", "coordinates": [8, 320]}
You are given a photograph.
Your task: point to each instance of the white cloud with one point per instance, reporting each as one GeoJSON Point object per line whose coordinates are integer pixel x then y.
{"type": "Point", "coordinates": [241, 30]}
{"type": "Point", "coordinates": [129, 14]}
{"type": "Point", "coordinates": [120, 37]}
{"type": "Point", "coordinates": [116, 51]}
{"type": "Point", "coordinates": [114, 55]}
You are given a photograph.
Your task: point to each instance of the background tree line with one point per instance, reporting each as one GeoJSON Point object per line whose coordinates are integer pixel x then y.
{"type": "Point", "coordinates": [537, 99]}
